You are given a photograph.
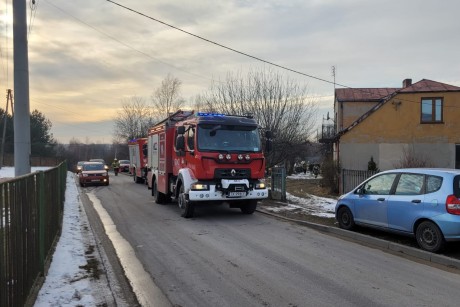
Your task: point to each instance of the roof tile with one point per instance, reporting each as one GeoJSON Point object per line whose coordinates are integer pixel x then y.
{"type": "Point", "coordinates": [363, 94]}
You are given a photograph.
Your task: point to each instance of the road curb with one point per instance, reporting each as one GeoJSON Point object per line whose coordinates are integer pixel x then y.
{"type": "Point", "coordinates": [376, 242]}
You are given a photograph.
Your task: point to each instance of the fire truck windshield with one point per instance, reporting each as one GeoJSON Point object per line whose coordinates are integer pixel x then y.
{"type": "Point", "coordinates": [228, 138]}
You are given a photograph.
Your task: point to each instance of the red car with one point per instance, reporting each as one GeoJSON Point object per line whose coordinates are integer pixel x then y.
{"type": "Point", "coordinates": [93, 173]}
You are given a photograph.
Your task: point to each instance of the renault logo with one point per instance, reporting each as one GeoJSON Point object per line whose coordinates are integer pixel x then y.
{"type": "Point", "coordinates": [233, 172]}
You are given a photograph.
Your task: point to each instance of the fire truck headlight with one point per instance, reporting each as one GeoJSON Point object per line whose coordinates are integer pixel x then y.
{"type": "Point", "coordinates": [260, 185]}
{"type": "Point", "coordinates": [247, 157]}
{"type": "Point", "coordinates": [221, 156]}
{"type": "Point", "coordinates": [199, 186]}
{"type": "Point", "coordinates": [228, 156]}
{"type": "Point", "coordinates": [240, 157]}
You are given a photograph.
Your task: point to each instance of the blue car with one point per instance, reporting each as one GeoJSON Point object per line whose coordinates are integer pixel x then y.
{"type": "Point", "coordinates": [419, 202]}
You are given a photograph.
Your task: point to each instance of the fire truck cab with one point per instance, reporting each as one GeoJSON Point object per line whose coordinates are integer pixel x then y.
{"type": "Point", "coordinates": [206, 157]}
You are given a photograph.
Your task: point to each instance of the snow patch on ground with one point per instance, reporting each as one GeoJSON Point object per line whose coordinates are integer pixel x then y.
{"type": "Point", "coordinates": [313, 205]}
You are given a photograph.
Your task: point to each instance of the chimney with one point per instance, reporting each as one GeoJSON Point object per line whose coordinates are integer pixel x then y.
{"type": "Point", "coordinates": [407, 83]}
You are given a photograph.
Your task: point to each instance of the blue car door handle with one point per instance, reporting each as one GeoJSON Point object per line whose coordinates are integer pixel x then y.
{"type": "Point", "coordinates": [380, 199]}
{"type": "Point", "coordinates": [416, 201]}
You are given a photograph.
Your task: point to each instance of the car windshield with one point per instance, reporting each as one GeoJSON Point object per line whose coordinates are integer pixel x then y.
{"type": "Point", "coordinates": [93, 167]}
{"type": "Point", "coordinates": [228, 138]}
{"type": "Point", "coordinates": [97, 160]}
{"type": "Point", "coordinates": [124, 161]}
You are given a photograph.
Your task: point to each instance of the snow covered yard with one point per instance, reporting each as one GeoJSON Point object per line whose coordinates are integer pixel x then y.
{"type": "Point", "coordinates": [307, 204]}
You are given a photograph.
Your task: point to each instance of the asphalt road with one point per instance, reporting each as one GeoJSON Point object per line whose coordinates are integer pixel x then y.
{"type": "Point", "coordinates": [224, 258]}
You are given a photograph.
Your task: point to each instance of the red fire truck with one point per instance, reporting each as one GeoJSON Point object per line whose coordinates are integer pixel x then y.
{"type": "Point", "coordinates": [203, 157]}
{"type": "Point", "coordinates": [138, 159]}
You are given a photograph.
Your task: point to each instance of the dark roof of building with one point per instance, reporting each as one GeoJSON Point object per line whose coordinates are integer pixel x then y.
{"type": "Point", "coordinates": [363, 94]}
{"type": "Point", "coordinates": [425, 85]}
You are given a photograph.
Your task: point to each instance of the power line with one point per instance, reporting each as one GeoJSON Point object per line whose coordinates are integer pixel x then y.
{"type": "Point", "coordinates": [128, 46]}
{"type": "Point", "coordinates": [254, 57]}
{"type": "Point", "coordinates": [33, 4]}
{"type": "Point", "coordinates": [226, 47]}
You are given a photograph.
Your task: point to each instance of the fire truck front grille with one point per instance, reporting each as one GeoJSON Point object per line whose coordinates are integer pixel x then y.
{"type": "Point", "coordinates": [232, 173]}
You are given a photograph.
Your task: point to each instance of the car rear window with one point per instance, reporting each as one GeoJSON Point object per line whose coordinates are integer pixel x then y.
{"type": "Point", "coordinates": [93, 167]}
{"type": "Point", "coordinates": [457, 186]}
{"type": "Point", "coordinates": [433, 183]}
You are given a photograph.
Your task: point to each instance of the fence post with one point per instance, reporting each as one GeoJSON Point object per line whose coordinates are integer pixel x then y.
{"type": "Point", "coordinates": [41, 220]}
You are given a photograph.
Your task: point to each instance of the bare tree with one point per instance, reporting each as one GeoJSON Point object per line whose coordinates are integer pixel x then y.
{"type": "Point", "coordinates": [166, 98]}
{"type": "Point", "coordinates": [277, 103]}
{"type": "Point", "coordinates": [133, 120]}
{"type": "Point", "coordinates": [412, 159]}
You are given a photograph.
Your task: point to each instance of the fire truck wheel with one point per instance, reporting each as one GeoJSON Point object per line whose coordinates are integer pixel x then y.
{"type": "Point", "coordinates": [249, 207]}
{"type": "Point", "coordinates": [160, 198]}
{"type": "Point", "coordinates": [187, 207]}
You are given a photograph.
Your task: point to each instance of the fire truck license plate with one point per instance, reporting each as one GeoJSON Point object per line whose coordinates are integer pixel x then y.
{"type": "Point", "coordinates": [236, 194]}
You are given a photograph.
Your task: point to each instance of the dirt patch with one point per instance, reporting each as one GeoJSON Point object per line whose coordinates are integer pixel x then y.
{"type": "Point", "coordinates": [304, 187]}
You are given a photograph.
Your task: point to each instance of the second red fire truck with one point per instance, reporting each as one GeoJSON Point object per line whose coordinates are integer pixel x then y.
{"type": "Point", "coordinates": [204, 157]}
{"type": "Point", "coordinates": [138, 159]}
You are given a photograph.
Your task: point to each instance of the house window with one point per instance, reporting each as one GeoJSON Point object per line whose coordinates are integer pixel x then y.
{"type": "Point", "coordinates": [431, 110]}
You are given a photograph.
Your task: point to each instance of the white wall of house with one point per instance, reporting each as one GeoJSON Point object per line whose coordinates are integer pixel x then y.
{"type": "Point", "coordinates": [388, 156]}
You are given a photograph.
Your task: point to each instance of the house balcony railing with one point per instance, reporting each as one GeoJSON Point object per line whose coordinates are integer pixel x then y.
{"type": "Point", "coordinates": [328, 133]}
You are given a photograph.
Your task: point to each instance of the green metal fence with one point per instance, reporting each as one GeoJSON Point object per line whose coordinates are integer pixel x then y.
{"type": "Point", "coordinates": [31, 209]}
{"type": "Point", "coordinates": [278, 183]}
{"type": "Point", "coordinates": [352, 178]}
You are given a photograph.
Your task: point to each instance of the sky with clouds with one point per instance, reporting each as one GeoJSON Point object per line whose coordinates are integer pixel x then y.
{"type": "Point", "coordinates": [87, 56]}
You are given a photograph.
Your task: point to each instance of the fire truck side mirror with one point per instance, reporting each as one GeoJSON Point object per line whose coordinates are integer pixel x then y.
{"type": "Point", "coordinates": [268, 145]}
{"type": "Point", "coordinates": [268, 141]}
{"type": "Point", "coordinates": [181, 130]}
{"type": "Point", "coordinates": [180, 144]}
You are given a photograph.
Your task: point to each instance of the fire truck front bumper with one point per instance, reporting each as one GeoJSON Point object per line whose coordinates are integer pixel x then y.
{"type": "Point", "coordinates": [226, 192]}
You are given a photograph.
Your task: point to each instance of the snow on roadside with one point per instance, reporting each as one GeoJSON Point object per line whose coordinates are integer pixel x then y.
{"type": "Point", "coordinates": [307, 175]}
{"type": "Point", "coordinates": [313, 205]}
{"type": "Point", "coordinates": [67, 282]}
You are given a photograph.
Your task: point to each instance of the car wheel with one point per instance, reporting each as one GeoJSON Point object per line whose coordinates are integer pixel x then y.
{"type": "Point", "coordinates": [345, 218]}
{"type": "Point", "coordinates": [429, 237]}
{"type": "Point", "coordinates": [187, 207]}
{"type": "Point", "coordinates": [160, 198]}
{"type": "Point", "coordinates": [249, 207]}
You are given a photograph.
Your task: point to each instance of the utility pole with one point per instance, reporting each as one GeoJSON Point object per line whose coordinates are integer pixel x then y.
{"type": "Point", "coordinates": [9, 101]}
{"type": "Point", "coordinates": [22, 146]}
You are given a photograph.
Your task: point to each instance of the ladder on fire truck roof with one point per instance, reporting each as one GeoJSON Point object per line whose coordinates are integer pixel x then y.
{"type": "Point", "coordinates": [176, 117]}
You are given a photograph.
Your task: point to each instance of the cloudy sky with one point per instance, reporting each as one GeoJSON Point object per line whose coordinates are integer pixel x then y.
{"type": "Point", "coordinates": [87, 56]}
